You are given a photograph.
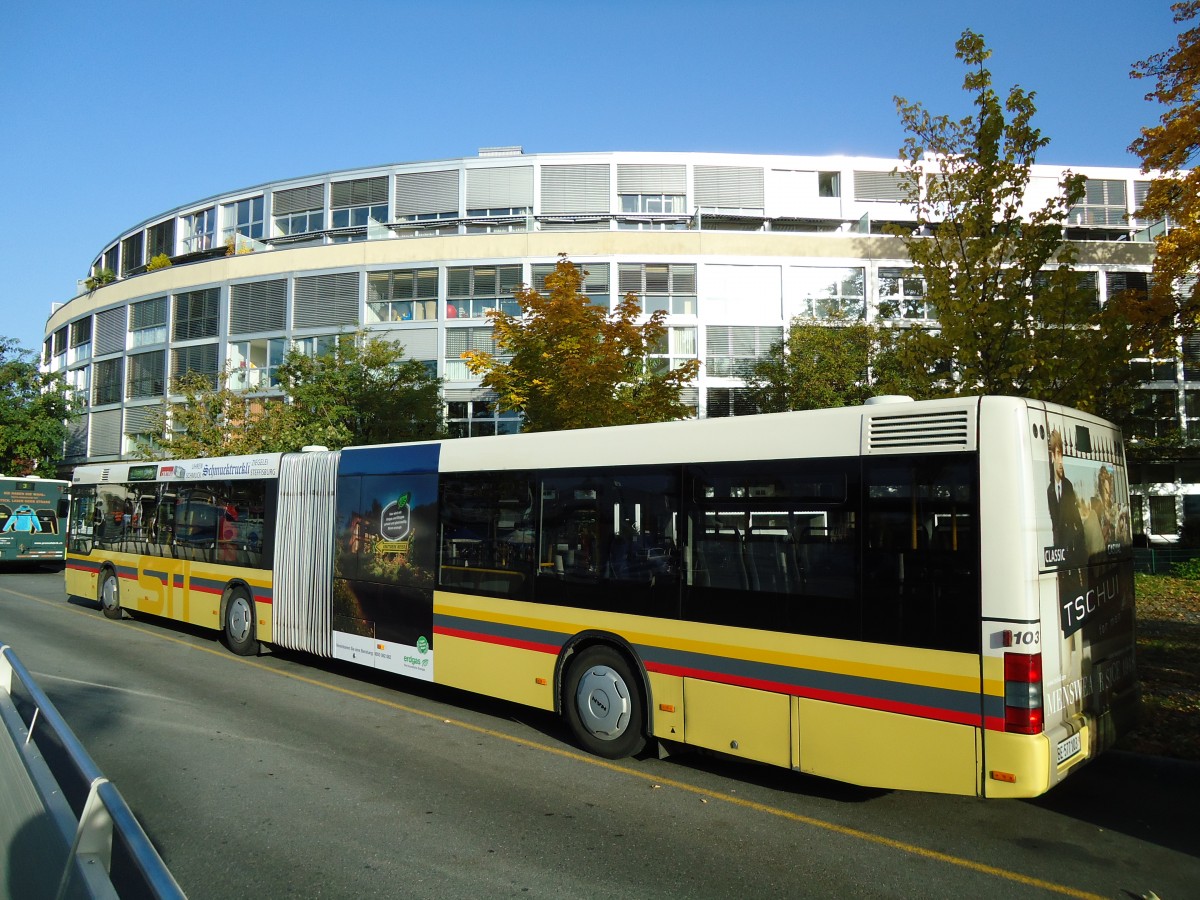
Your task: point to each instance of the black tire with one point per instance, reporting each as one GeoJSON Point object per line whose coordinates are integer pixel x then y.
{"type": "Point", "coordinates": [603, 703]}
{"type": "Point", "coordinates": [109, 594]}
{"type": "Point", "coordinates": [238, 627]}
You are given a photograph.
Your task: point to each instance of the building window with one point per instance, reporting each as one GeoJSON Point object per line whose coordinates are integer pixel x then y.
{"type": "Point", "coordinates": [1163, 516]}
{"type": "Point", "coordinates": [829, 184]}
{"type": "Point", "coordinates": [1156, 414]}
{"type": "Point", "coordinates": [403, 295]}
{"type": "Point", "coordinates": [902, 295]}
{"type": "Point", "coordinates": [200, 359]}
{"type": "Point", "coordinates": [196, 314]}
{"type": "Point", "coordinates": [459, 341]}
{"type": "Point", "coordinates": [596, 285]}
{"type": "Point", "coordinates": [1153, 369]}
{"type": "Point", "coordinates": [106, 386]}
{"type": "Point", "coordinates": [654, 204]}
{"type": "Point", "coordinates": [726, 402]}
{"type": "Point", "coordinates": [147, 322]}
{"type": "Point", "coordinates": [670, 288]}
{"type": "Point", "coordinates": [146, 375]}
{"type": "Point", "coordinates": [355, 204]}
{"type": "Point", "coordinates": [830, 293]}
{"type": "Point", "coordinates": [252, 364]}
{"type": "Point", "coordinates": [675, 347]}
{"type": "Point", "coordinates": [160, 239]}
{"type": "Point", "coordinates": [60, 347]}
{"type": "Point", "coordinates": [479, 418]}
{"type": "Point", "coordinates": [196, 230]}
{"type": "Point", "coordinates": [302, 222]}
{"type": "Point", "coordinates": [79, 381]}
{"type": "Point", "coordinates": [733, 350]}
{"type": "Point", "coordinates": [81, 340]}
{"type": "Point", "coordinates": [131, 252]}
{"type": "Point", "coordinates": [1084, 301]}
{"type": "Point", "coordinates": [299, 210]}
{"type": "Point", "coordinates": [316, 345]}
{"type": "Point", "coordinates": [1103, 203]}
{"type": "Point", "coordinates": [473, 290]}
{"type": "Point", "coordinates": [244, 217]}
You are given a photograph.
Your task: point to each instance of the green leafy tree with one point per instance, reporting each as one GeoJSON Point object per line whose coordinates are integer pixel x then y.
{"type": "Point", "coordinates": [1170, 146]}
{"type": "Point", "coordinates": [34, 409]}
{"type": "Point", "coordinates": [816, 366]}
{"type": "Point", "coordinates": [360, 392]}
{"type": "Point", "coordinates": [363, 391]}
{"type": "Point", "coordinates": [214, 420]}
{"type": "Point", "coordinates": [572, 364]}
{"type": "Point", "coordinates": [1013, 316]}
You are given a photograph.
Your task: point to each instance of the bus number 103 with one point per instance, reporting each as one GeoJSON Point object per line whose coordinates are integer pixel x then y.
{"type": "Point", "coordinates": [1022, 638]}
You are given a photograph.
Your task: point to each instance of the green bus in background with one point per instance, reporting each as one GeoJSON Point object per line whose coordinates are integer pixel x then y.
{"type": "Point", "coordinates": [33, 519]}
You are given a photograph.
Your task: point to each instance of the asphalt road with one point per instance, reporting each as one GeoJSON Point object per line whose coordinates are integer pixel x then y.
{"type": "Point", "coordinates": [287, 776]}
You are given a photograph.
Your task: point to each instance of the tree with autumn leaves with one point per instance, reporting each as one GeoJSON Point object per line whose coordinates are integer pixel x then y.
{"type": "Point", "coordinates": [1174, 196]}
{"type": "Point", "coordinates": [565, 362]}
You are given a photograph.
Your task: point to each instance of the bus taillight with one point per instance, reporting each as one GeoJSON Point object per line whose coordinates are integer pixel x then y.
{"type": "Point", "coordinates": [1023, 693]}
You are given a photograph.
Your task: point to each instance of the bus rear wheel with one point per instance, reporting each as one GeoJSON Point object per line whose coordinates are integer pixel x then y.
{"type": "Point", "coordinates": [109, 595]}
{"type": "Point", "coordinates": [239, 624]}
{"type": "Point", "coordinates": [604, 705]}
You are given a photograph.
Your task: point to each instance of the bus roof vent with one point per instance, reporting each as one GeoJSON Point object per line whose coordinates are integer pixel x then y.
{"type": "Point", "coordinates": [918, 431]}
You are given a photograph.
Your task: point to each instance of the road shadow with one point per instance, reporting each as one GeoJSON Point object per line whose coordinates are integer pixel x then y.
{"type": "Point", "coordinates": [1151, 798]}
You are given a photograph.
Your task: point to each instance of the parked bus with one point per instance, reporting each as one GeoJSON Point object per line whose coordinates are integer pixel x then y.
{"type": "Point", "coordinates": [33, 519]}
{"type": "Point", "coordinates": [933, 596]}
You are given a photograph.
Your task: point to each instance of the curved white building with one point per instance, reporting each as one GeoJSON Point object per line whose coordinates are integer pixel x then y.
{"type": "Point", "coordinates": [731, 246]}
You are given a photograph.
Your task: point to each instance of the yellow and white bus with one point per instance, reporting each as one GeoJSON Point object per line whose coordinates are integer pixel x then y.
{"type": "Point", "coordinates": [931, 596]}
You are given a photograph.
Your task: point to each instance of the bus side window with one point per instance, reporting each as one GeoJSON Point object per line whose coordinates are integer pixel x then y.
{"type": "Point", "coordinates": [921, 563]}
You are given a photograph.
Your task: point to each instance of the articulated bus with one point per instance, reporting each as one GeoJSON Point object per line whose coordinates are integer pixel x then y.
{"type": "Point", "coordinates": [931, 596]}
{"type": "Point", "coordinates": [33, 518]}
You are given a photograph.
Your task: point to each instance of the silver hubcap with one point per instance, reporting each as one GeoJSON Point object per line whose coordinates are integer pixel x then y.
{"type": "Point", "coordinates": [108, 593]}
{"type": "Point", "coordinates": [239, 619]}
{"type": "Point", "coordinates": [602, 700]}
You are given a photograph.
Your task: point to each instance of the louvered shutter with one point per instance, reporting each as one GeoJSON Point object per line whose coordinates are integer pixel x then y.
{"type": "Point", "coordinates": [497, 188]}
{"type": "Point", "coordinates": [300, 199]}
{"type": "Point", "coordinates": [258, 306]}
{"type": "Point", "coordinates": [418, 343]}
{"type": "Point", "coordinates": [360, 192]}
{"type": "Point", "coordinates": [460, 340]}
{"type": "Point", "coordinates": [148, 313]}
{"type": "Point", "coordinates": [140, 419]}
{"type": "Point", "coordinates": [109, 334]}
{"type": "Point", "coordinates": [887, 186]}
{"type": "Point", "coordinates": [729, 187]}
{"type": "Point", "coordinates": [575, 189]}
{"type": "Point", "coordinates": [201, 359]}
{"type": "Point", "coordinates": [106, 433]}
{"type": "Point", "coordinates": [326, 300]}
{"type": "Point", "coordinates": [651, 179]}
{"type": "Point", "coordinates": [426, 193]}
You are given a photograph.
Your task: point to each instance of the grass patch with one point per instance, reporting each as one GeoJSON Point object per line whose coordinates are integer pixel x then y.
{"type": "Point", "coordinates": [1168, 665]}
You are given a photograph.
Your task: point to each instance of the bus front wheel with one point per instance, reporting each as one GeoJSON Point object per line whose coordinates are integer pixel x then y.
{"type": "Point", "coordinates": [239, 624]}
{"type": "Point", "coordinates": [604, 705]}
{"type": "Point", "coordinates": [110, 595]}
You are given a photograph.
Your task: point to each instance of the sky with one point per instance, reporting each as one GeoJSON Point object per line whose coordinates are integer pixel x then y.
{"type": "Point", "coordinates": [111, 113]}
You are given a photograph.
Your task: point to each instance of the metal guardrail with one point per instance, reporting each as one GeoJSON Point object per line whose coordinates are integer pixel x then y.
{"type": "Point", "coordinates": [48, 849]}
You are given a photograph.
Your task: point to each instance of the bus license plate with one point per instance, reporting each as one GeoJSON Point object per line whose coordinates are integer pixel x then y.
{"type": "Point", "coordinates": [1068, 748]}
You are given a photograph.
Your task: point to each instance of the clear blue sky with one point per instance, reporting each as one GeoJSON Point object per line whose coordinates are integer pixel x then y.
{"type": "Point", "coordinates": [113, 112]}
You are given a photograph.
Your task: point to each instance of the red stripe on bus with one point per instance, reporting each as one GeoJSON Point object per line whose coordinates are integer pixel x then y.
{"type": "Point", "coordinates": [858, 700]}
{"type": "Point", "coordinates": [494, 639]}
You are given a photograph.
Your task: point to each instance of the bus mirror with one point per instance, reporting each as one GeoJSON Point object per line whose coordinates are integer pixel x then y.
{"type": "Point", "coordinates": [64, 508]}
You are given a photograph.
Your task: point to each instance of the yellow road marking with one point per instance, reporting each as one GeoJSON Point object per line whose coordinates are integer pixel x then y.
{"type": "Point", "coordinates": [844, 830]}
